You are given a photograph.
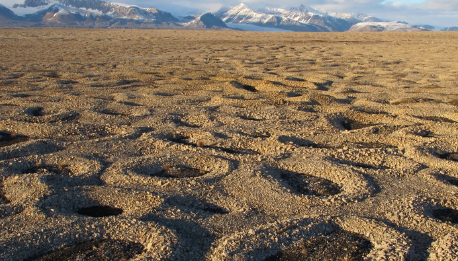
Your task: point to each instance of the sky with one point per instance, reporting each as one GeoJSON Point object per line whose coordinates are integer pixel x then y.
{"type": "Point", "coordinates": [441, 13]}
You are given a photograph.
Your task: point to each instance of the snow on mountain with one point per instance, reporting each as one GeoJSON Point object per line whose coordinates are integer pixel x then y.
{"type": "Point", "coordinates": [206, 21]}
{"type": "Point", "coordinates": [393, 26]}
{"type": "Point", "coordinates": [95, 8]}
{"type": "Point", "coordinates": [301, 18]}
{"type": "Point", "coordinates": [29, 9]}
{"type": "Point", "coordinates": [356, 17]}
{"type": "Point", "coordinates": [98, 13]}
{"type": "Point", "coordinates": [245, 15]}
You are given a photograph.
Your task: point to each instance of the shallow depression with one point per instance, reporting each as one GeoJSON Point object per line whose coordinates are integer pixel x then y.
{"type": "Point", "coordinates": [341, 245]}
{"type": "Point", "coordinates": [446, 215]}
{"type": "Point", "coordinates": [355, 125]}
{"type": "Point", "coordinates": [99, 211]}
{"type": "Point", "coordinates": [105, 249]}
{"type": "Point", "coordinates": [179, 171]}
{"type": "Point", "coordinates": [7, 138]}
{"type": "Point", "coordinates": [308, 184]}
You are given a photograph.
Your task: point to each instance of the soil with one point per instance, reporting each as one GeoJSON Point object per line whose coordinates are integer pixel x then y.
{"type": "Point", "coordinates": [210, 145]}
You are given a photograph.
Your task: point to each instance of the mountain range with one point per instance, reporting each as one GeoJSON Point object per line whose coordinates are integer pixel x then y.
{"type": "Point", "coordinates": [98, 14]}
{"type": "Point", "coordinates": [102, 14]}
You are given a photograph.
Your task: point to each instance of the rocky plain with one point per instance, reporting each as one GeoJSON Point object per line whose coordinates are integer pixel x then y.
{"type": "Point", "coordinates": [228, 145]}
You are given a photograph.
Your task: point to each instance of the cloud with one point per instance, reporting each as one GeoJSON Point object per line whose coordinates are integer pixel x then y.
{"type": "Point", "coordinates": [447, 5]}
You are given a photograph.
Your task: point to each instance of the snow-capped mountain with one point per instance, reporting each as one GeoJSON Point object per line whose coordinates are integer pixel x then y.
{"type": "Point", "coordinates": [97, 7]}
{"type": "Point", "coordinates": [89, 13]}
{"type": "Point", "coordinates": [393, 26]}
{"type": "Point", "coordinates": [206, 21]}
{"type": "Point", "coordinates": [356, 17]}
{"type": "Point", "coordinates": [301, 18]}
{"type": "Point", "coordinates": [98, 13]}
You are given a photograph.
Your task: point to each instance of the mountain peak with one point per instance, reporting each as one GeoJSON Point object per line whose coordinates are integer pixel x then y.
{"type": "Point", "coordinates": [241, 6]}
{"type": "Point", "coordinates": [207, 21]}
{"type": "Point", "coordinates": [301, 8]}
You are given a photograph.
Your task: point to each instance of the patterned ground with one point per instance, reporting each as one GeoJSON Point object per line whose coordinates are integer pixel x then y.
{"type": "Point", "coordinates": [202, 145]}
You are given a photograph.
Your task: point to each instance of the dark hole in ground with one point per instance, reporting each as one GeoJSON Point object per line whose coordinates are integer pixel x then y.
{"type": "Point", "coordinates": [355, 125]}
{"type": "Point", "coordinates": [110, 112]}
{"type": "Point", "coordinates": [178, 138]}
{"type": "Point", "coordinates": [293, 94]}
{"type": "Point", "coordinates": [164, 94]}
{"type": "Point", "coordinates": [104, 249]}
{"type": "Point", "coordinates": [436, 119]}
{"type": "Point", "coordinates": [214, 209]}
{"type": "Point", "coordinates": [20, 95]}
{"type": "Point", "coordinates": [453, 181]}
{"type": "Point", "coordinates": [243, 117]}
{"type": "Point", "coordinates": [58, 169]}
{"type": "Point", "coordinates": [338, 246]}
{"type": "Point", "coordinates": [247, 87]}
{"type": "Point", "coordinates": [35, 111]}
{"type": "Point", "coordinates": [446, 215]}
{"type": "Point", "coordinates": [65, 117]}
{"type": "Point", "coordinates": [180, 171]}
{"type": "Point", "coordinates": [125, 82]}
{"type": "Point", "coordinates": [453, 156]}
{"type": "Point", "coordinates": [238, 151]}
{"type": "Point", "coordinates": [323, 86]}
{"type": "Point", "coordinates": [308, 184]}
{"type": "Point", "coordinates": [294, 79]}
{"type": "Point", "coordinates": [67, 82]}
{"type": "Point", "coordinates": [7, 138]}
{"type": "Point", "coordinates": [100, 211]}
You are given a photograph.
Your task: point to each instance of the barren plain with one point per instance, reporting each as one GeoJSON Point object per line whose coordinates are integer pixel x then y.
{"type": "Point", "coordinates": [225, 145]}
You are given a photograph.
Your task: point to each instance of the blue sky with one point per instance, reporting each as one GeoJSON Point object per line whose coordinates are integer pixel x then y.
{"type": "Point", "coordinates": [432, 12]}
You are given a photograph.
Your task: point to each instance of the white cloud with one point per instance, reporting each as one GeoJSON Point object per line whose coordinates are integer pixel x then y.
{"type": "Point", "coordinates": [449, 5]}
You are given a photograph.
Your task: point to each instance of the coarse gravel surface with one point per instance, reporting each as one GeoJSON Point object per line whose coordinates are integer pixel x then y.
{"type": "Point", "coordinates": [207, 145]}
